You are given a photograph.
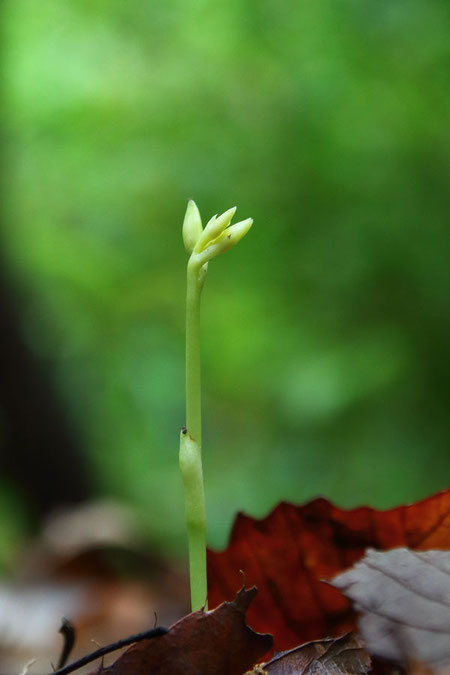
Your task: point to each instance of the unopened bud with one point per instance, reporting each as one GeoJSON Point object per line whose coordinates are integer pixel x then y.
{"type": "Point", "coordinates": [192, 226]}
{"type": "Point", "coordinates": [214, 228]}
{"type": "Point", "coordinates": [230, 237]}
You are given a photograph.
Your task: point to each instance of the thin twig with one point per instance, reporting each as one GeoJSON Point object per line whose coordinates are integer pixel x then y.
{"type": "Point", "coordinates": [27, 666]}
{"type": "Point", "coordinates": [154, 632]}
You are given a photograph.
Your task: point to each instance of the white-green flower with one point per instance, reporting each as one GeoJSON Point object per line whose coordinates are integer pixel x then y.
{"type": "Point", "coordinates": [217, 237]}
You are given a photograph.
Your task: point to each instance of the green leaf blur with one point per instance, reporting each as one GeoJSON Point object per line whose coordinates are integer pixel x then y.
{"type": "Point", "coordinates": [325, 333]}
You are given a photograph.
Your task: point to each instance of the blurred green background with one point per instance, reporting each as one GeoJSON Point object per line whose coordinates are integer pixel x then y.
{"type": "Point", "coordinates": [325, 332]}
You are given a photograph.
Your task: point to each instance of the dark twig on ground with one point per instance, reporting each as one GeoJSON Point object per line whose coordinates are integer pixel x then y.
{"type": "Point", "coordinates": [93, 656]}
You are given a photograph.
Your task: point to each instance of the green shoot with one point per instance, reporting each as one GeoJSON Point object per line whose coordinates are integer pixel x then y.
{"type": "Point", "coordinates": [203, 245]}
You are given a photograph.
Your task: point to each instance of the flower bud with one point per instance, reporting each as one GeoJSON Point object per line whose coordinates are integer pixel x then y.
{"type": "Point", "coordinates": [214, 228]}
{"type": "Point", "coordinates": [230, 237]}
{"type": "Point", "coordinates": [192, 226]}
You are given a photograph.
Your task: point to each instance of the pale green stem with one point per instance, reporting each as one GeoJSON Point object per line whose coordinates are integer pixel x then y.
{"type": "Point", "coordinates": [195, 280]}
{"type": "Point", "coordinates": [190, 440]}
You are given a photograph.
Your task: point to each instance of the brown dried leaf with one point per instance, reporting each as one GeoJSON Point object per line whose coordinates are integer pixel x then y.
{"type": "Point", "coordinates": [345, 655]}
{"type": "Point", "coordinates": [288, 553]}
{"type": "Point", "coordinates": [404, 600]}
{"type": "Point", "coordinates": [201, 643]}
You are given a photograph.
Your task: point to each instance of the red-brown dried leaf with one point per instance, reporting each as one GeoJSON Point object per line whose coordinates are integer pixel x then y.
{"type": "Point", "coordinates": [201, 643]}
{"type": "Point", "coordinates": [403, 598]}
{"type": "Point", "coordinates": [288, 553]}
{"type": "Point", "coordinates": [345, 655]}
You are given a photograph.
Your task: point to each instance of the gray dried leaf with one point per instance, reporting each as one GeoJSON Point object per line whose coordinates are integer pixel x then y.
{"type": "Point", "coordinates": [403, 598]}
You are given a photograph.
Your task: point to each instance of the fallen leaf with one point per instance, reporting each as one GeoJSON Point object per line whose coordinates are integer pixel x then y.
{"type": "Point", "coordinates": [339, 656]}
{"type": "Point", "coordinates": [218, 641]}
{"type": "Point", "coordinates": [404, 600]}
{"type": "Point", "coordinates": [289, 552]}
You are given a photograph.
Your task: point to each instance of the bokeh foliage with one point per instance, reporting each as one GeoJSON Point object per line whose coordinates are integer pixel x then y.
{"type": "Point", "coordinates": [326, 331]}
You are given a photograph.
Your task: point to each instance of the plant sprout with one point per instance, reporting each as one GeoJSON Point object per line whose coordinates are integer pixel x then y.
{"type": "Point", "coordinates": [203, 245]}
